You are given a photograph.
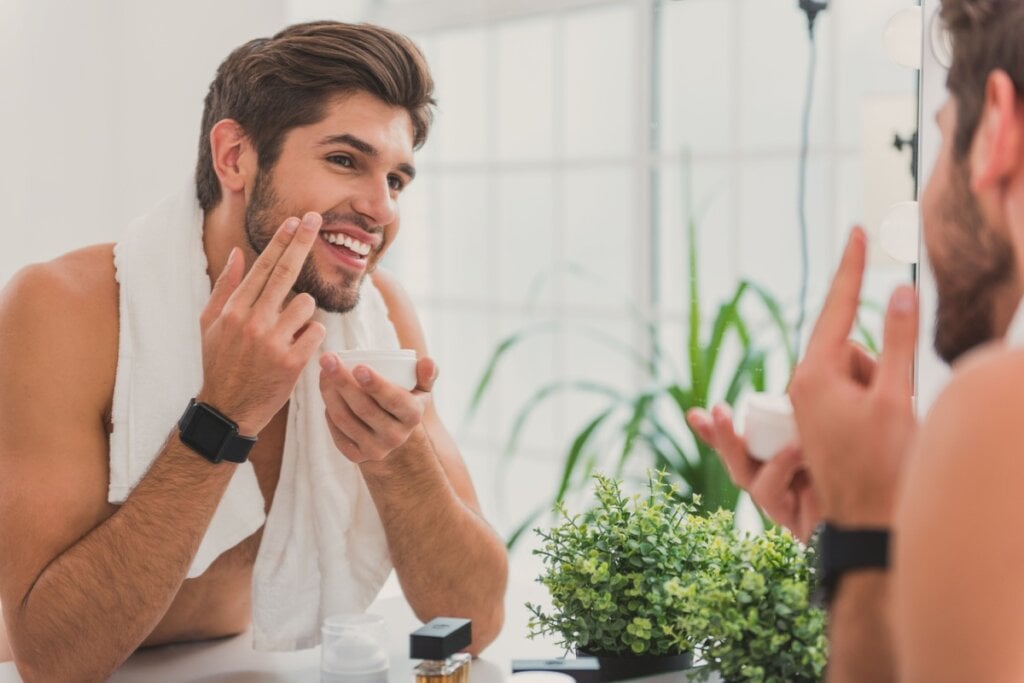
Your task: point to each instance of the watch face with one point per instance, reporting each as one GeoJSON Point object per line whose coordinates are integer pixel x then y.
{"type": "Point", "coordinates": [206, 432]}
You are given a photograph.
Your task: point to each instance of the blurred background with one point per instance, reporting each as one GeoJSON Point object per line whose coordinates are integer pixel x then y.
{"type": "Point", "coordinates": [578, 146]}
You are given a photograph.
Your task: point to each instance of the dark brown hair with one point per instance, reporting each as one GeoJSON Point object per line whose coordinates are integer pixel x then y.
{"type": "Point", "coordinates": [271, 85]}
{"type": "Point", "coordinates": [986, 35]}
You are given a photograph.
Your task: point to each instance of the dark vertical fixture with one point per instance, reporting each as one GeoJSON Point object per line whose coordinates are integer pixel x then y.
{"type": "Point", "coordinates": [811, 8]}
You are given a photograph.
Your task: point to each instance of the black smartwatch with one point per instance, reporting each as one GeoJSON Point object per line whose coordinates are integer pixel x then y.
{"type": "Point", "coordinates": [843, 550]}
{"type": "Point", "coordinates": [212, 434]}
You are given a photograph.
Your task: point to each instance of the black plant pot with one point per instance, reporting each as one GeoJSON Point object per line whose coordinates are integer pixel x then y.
{"type": "Point", "coordinates": [622, 667]}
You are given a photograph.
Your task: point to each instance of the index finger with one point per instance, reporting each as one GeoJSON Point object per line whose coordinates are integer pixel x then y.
{"type": "Point", "coordinates": [253, 282]}
{"type": "Point", "coordinates": [840, 310]}
{"type": "Point", "coordinates": [896, 364]}
{"type": "Point", "coordinates": [287, 237]}
{"type": "Point", "coordinates": [286, 271]}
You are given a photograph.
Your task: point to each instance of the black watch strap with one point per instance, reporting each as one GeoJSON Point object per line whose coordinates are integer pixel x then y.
{"type": "Point", "coordinates": [843, 550]}
{"type": "Point", "coordinates": [213, 435]}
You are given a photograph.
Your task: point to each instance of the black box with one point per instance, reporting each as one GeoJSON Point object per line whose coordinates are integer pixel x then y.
{"type": "Point", "coordinates": [440, 639]}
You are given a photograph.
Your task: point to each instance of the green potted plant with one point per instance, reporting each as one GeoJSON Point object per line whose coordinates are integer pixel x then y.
{"type": "Point", "coordinates": [755, 610]}
{"type": "Point", "coordinates": [645, 582]}
{"type": "Point", "coordinates": [607, 572]}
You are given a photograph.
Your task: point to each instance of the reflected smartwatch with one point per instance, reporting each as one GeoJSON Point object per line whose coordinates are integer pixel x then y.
{"type": "Point", "coordinates": [212, 434]}
{"type": "Point", "coordinates": [843, 550]}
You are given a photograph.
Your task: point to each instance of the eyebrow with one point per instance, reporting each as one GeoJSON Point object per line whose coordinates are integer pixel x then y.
{"type": "Point", "coordinates": [365, 148]}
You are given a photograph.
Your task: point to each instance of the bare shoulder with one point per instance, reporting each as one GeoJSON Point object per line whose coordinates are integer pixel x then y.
{"type": "Point", "coordinates": [59, 323]}
{"type": "Point", "coordinates": [958, 526]}
{"type": "Point", "coordinates": [974, 427]}
{"type": "Point", "coordinates": [78, 285]}
{"type": "Point", "coordinates": [400, 310]}
{"type": "Point", "coordinates": [980, 408]}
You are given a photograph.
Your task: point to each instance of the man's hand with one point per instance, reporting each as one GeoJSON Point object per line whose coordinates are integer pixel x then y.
{"type": "Point", "coordinates": [255, 346]}
{"type": "Point", "coordinates": [781, 487]}
{"type": "Point", "coordinates": [368, 416]}
{"type": "Point", "coordinates": [855, 419]}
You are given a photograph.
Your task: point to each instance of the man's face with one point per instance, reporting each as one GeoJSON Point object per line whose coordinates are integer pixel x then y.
{"type": "Point", "coordinates": [971, 258]}
{"type": "Point", "coordinates": [350, 167]}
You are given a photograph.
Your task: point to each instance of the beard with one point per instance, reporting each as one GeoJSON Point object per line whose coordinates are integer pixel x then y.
{"type": "Point", "coordinates": [263, 216]}
{"type": "Point", "coordinates": [980, 265]}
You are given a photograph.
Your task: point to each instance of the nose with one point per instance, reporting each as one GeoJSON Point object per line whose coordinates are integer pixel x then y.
{"type": "Point", "coordinates": [374, 200]}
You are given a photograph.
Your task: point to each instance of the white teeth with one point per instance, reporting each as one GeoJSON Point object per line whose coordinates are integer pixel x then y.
{"type": "Point", "coordinates": [350, 243]}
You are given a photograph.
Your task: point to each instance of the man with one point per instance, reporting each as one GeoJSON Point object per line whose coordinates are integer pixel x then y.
{"type": "Point", "coordinates": [307, 143]}
{"type": "Point", "coordinates": [951, 607]}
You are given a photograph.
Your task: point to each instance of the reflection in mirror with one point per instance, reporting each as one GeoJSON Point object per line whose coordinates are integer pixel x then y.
{"type": "Point", "coordinates": [557, 185]}
{"type": "Point", "coordinates": [660, 116]}
{"type": "Point", "coordinates": [625, 209]}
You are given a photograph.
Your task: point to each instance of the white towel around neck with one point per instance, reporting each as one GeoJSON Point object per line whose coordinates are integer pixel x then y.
{"type": "Point", "coordinates": [1015, 331]}
{"type": "Point", "coordinates": [323, 549]}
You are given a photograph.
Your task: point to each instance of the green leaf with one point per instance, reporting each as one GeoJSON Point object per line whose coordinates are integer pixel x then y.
{"type": "Point", "coordinates": [680, 463]}
{"type": "Point", "coordinates": [578, 444]}
{"type": "Point", "coordinates": [728, 317]}
{"type": "Point", "coordinates": [684, 398]}
{"type": "Point", "coordinates": [783, 328]}
{"type": "Point", "coordinates": [545, 392]}
{"type": "Point", "coordinates": [504, 346]}
{"type": "Point", "coordinates": [525, 525]}
{"type": "Point", "coordinates": [632, 429]}
{"type": "Point", "coordinates": [751, 365]}
{"type": "Point", "coordinates": [699, 373]}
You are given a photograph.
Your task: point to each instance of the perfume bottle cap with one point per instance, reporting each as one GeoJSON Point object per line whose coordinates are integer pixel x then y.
{"type": "Point", "coordinates": [440, 639]}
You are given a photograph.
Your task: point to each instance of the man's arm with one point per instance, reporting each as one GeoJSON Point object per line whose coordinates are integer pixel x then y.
{"type": "Point", "coordinates": [959, 549]}
{"type": "Point", "coordinates": [81, 587]}
{"type": "Point", "coordinates": [82, 584]}
{"type": "Point", "coordinates": [448, 559]}
{"type": "Point", "coordinates": [860, 644]}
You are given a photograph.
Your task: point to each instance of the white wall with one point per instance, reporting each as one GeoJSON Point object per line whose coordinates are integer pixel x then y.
{"type": "Point", "coordinates": [100, 102]}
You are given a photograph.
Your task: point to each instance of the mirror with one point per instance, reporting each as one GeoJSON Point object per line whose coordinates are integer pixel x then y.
{"type": "Point", "coordinates": [574, 144]}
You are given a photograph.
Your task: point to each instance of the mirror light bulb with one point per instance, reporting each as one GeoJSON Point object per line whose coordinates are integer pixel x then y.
{"type": "Point", "coordinates": [899, 232]}
{"type": "Point", "coordinates": [902, 38]}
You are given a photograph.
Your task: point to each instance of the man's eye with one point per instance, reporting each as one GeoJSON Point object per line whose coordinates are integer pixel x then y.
{"type": "Point", "coordinates": [341, 160]}
{"type": "Point", "coordinates": [395, 182]}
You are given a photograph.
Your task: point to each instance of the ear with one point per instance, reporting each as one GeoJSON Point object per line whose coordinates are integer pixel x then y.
{"type": "Point", "coordinates": [996, 149]}
{"type": "Point", "coordinates": [233, 155]}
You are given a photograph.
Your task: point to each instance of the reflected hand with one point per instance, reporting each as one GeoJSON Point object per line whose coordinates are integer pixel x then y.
{"type": "Point", "coordinates": [370, 417]}
{"type": "Point", "coordinates": [781, 487]}
{"type": "Point", "coordinates": [856, 419]}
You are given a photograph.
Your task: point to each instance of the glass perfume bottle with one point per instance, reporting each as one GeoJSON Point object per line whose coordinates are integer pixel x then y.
{"type": "Point", "coordinates": [438, 644]}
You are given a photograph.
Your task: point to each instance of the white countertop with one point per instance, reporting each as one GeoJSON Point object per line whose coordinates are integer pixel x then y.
{"type": "Point", "coordinates": [232, 660]}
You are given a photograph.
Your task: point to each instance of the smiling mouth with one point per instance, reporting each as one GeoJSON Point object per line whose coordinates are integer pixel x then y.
{"type": "Point", "coordinates": [347, 245]}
